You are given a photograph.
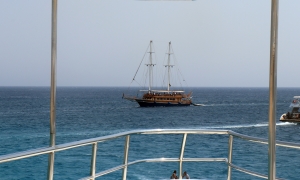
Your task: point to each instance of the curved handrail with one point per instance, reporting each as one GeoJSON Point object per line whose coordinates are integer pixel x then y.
{"type": "Point", "coordinates": [65, 146]}
{"type": "Point", "coordinates": [94, 141]}
{"type": "Point", "coordinates": [248, 171]}
{"type": "Point", "coordinates": [265, 141]}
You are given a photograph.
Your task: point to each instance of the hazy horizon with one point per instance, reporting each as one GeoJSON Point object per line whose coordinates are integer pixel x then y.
{"type": "Point", "coordinates": [101, 43]}
{"type": "Point", "coordinates": [139, 87]}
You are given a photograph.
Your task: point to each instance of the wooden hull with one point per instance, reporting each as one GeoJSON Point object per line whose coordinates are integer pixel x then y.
{"type": "Point", "coordinates": [144, 103]}
{"type": "Point", "coordinates": [162, 99]}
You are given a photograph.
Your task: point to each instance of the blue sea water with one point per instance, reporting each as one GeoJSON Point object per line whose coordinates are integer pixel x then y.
{"type": "Point", "coordinates": [87, 112]}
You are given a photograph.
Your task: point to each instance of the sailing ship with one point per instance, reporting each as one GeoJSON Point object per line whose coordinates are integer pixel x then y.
{"type": "Point", "coordinates": [165, 97]}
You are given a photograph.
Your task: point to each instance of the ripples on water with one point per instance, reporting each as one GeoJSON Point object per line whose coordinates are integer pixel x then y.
{"type": "Point", "coordinates": [91, 112]}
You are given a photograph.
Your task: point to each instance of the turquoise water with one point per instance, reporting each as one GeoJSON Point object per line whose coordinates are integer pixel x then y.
{"type": "Point", "coordinates": [91, 112]}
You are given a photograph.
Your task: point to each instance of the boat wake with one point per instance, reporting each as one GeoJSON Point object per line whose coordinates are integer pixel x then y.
{"type": "Point", "coordinates": [239, 104]}
{"type": "Point", "coordinates": [197, 104]}
{"type": "Point", "coordinates": [285, 124]}
{"type": "Point", "coordinates": [246, 126]}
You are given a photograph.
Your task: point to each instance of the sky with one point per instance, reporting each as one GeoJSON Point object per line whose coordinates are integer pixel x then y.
{"type": "Point", "coordinates": [218, 43]}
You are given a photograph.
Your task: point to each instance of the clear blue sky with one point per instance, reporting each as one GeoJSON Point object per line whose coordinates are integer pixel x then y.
{"type": "Point", "coordinates": [218, 43]}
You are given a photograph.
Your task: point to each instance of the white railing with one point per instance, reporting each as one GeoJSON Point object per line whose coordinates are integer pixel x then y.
{"type": "Point", "coordinates": [94, 142]}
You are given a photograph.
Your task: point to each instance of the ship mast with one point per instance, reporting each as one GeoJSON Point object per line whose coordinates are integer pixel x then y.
{"type": "Point", "coordinates": [169, 54]}
{"type": "Point", "coordinates": [150, 65]}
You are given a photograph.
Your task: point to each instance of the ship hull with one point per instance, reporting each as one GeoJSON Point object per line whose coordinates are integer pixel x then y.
{"type": "Point", "coordinates": [292, 118]}
{"type": "Point", "coordinates": [160, 104]}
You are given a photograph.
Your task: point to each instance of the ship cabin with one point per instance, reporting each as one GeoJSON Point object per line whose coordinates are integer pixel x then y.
{"type": "Point", "coordinates": [165, 96]}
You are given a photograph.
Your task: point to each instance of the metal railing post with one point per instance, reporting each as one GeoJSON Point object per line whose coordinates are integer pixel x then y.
{"type": "Point", "coordinates": [181, 155]}
{"type": "Point", "coordinates": [272, 90]}
{"type": "Point", "coordinates": [125, 161]}
{"type": "Point", "coordinates": [93, 160]}
{"type": "Point", "coordinates": [53, 88]}
{"type": "Point", "coordinates": [50, 166]}
{"type": "Point", "coordinates": [230, 143]}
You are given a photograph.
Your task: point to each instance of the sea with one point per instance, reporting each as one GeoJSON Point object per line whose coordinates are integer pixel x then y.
{"type": "Point", "coordinates": [89, 112]}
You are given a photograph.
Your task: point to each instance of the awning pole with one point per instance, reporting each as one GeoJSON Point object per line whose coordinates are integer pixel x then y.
{"type": "Point", "coordinates": [53, 88]}
{"type": "Point", "coordinates": [272, 90]}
